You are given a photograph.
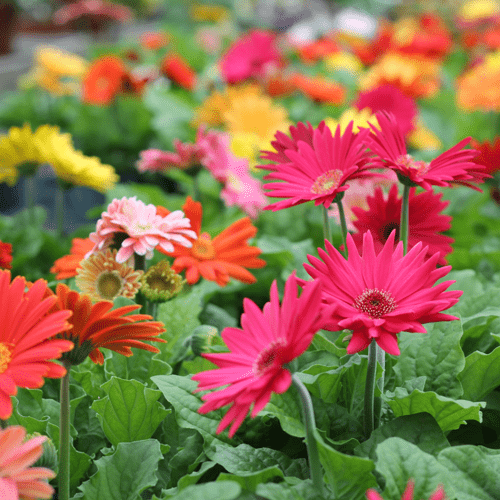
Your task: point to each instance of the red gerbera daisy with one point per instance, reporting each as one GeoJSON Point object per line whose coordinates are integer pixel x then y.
{"type": "Point", "coordinates": [103, 80]}
{"type": "Point", "coordinates": [379, 295]}
{"type": "Point", "coordinates": [489, 155]}
{"type": "Point", "coordinates": [383, 215]}
{"type": "Point", "coordinates": [268, 340]}
{"type": "Point", "coordinates": [408, 493]}
{"type": "Point", "coordinates": [317, 171]}
{"type": "Point", "coordinates": [26, 347]}
{"type": "Point", "coordinates": [178, 70]}
{"type": "Point", "coordinates": [5, 255]}
{"type": "Point", "coordinates": [454, 165]}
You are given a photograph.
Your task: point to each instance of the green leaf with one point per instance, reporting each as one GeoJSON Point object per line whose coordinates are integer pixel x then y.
{"type": "Point", "coordinates": [282, 491]}
{"type": "Point", "coordinates": [436, 355]}
{"type": "Point", "coordinates": [285, 407]}
{"type": "Point", "coordinates": [194, 477]}
{"type": "Point", "coordinates": [420, 429]}
{"type": "Point", "coordinates": [449, 413]}
{"type": "Point", "coordinates": [250, 480]}
{"type": "Point", "coordinates": [125, 474]}
{"type": "Point", "coordinates": [481, 374]}
{"type": "Point", "coordinates": [220, 490]}
{"type": "Point", "coordinates": [130, 411]}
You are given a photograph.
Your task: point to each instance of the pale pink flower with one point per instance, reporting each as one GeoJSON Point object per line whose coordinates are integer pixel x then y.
{"type": "Point", "coordinates": [217, 156]}
{"type": "Point", "coordinates": [143, 229]}
{"type": "Point", "coordinates": [155, 160]}
{"type": "Point", "coordinates": [17, 478]}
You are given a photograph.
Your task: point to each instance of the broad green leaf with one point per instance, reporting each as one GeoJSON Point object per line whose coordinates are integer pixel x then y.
{"type": "Point", "coordinates": [90, 377]}
{"type": "Point", "coordinates": [347, 475]}
{"type": "Point", "coordinates": [91, 437]}
{"type": "Point", "coordinates": [219, 490]}
{"type": "Point", "coordinates": [130, 411]}
{"type": "Point", "coordinates": [481, 374]}
{"type": "Point", "coordinates": [250, 480]}
{"type": "Point", "coordinates": [194, 477]}
{"type": "Point", "coordinates": [449, 413]}
{"type": "Point", "coordinates": [178, 391]}
{"type": "Point", "coordinates": [188, 456]}
{"type": "Point", "coordinates": [282, 491]}
{"type": "Point", "coordinates": [436, 355]}
{"type": "Point", "coordinates": [285, 406]}
{"type": "Point", "coordinates": [420, 429]}
{"type": "Point", "coordinates": [125, 474]}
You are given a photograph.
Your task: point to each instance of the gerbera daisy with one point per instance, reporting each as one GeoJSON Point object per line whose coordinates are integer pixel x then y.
{"type": "Point", "coordinates": [26, 343]}
{"type": "Point", "coordinates": [103, 80]}
{"type": "Point", "coordinates": [227, 255]}
{"type": "Point", "coordinates": [360, 118]}
{"type": "Point", "coordinates": [268, 340]}
{"type": "Point", "coordinates": [99, 325]}
{"type": "Point", "coordinates": [136, 228]}
{"type": "Point", "coordinates": [154, 40]}
{"type": "Point", "coordinates": [489, 154]}
{"type": "Point", "coordinates": [160, 282]}
{"type": "Point", "coordinates": [455, 164]}
{"type": "Point", "coordinates": [379, 295]}
{"type": "Point", "coordinates": [66, 267]}
{"type": "Point", "coordinates": [408, 493]}
{"type": "Point", "coordinates": [176, 68]}
{"type": "Point", "coordinates": [102, 278]}
{"type": "Point", "coordinates": [318, 172]}
{"type": "Point", "coordinates": [319, 89]}
{"type": "Point", "coordinates": [18, 480]}
{"type": "Point", "coordinates": [5, 255]}
{"type": "Point", "coordinates": [383, 214]}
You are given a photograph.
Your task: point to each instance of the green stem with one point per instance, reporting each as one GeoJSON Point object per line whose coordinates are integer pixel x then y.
{"type": "Point", "coordinates": [64, 471]}
{"type": "Point", "coordinates": [378, 401]}
{"type": "Point", "coordinates": [405, 224]}
{"type": "Point", "coordinates": [196, 188]}
{"type": "Point", "coordinates": [371, 373]}
{"type": "Point", "coordinates": [343, 225]}
{"type": "Point", "coordinates": [29, 194]}
{"type": "Point", "coordinates": [59, 210]}
{"type": "Point", "coordinates": [310, 424]}
{"type": "Point", "coordinates": [327, 232]}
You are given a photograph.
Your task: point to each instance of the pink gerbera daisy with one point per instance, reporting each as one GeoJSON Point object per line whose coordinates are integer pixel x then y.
{"type": "Point", "coordinates": [454, 165]}
{"type": "Point", "coordinates": [255, 367]}
{"type": "Point", "coordinates": [408, 493]}
{"type": "Point", "coordinates": [383, 215]}
{"type": "Point", "coordinates": [318, 171]}
{"type": "Point", "coordinates": [17, 479]}
{"type": "Point", "coordinates": [137, 228]}
{"type": "Point", "coordinates": [379, 295]}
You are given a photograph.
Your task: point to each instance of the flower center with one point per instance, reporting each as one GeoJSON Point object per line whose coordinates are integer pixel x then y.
{"type": "Point", "coordinates": [407, 161]}
{"type": "Point", "coordinates": [375, 303]}
{"type": "Point", "coordinates": [109, 284]}
{"type": "Point", "coordinates": [5, 357]}
{"type": "Point", "coordinates": [203, 247]}
{"type": "Point", "coordinates": [387, 229]}
{"type": "Point", "coordinates": [327, 181]}
{"type": "Point", "coordinates": [272, 354]}
{"type": "Point", "coordinates": [161, 283]}
{"type": "Point", "coordinates": [234, 182]}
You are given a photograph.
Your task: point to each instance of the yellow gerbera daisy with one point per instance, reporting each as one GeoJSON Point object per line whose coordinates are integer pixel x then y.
{"type": "Point", "coordinates": [478, 9]}
{"type": "Point", "coordinates": [60, 62]}
{"type": "Point", "coordinates": [424, 138]}
{"type": "Point", "coordinates": [343, 61]}
{"type": "Point", "coordinates": [360, 118]}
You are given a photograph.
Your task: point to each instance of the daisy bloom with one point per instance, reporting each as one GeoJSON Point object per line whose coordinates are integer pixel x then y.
{"type": "Point", "coordinates": [160, 282]}
{"type": "Point", "coordinates": [489, 154]}
{"type": "Point", "coordinates": [454, 165]}
{"type": "Point", "coordinates": [102, 278]}
{"type": "Point", "coordinates": [408, 493]}
{"type": "Point", "coordinates": [136, 228]}
{"type": "Point", "coordinates": [18, 480]}
{"type": "Point", "coordinates": [5, 255]}
{"type": "Point", "coordinates": [27, 345]}
{"type": "Point", "coordinates": [99, 325]}
{"type": "Point", "coordinates": [255, 366]}
{"type": "Point", "coordinates": [218, 259]}
{"type": "Point", "coordinates": [103, 80]}
{"type": "Point", "coordinates": [378, 295]}
{"type": "Point", "coordinates": [319, 171]}
{"type": "Point", "coordinates": [319, 89]}
{"type": "Point", "coordinates": [382, 215]}
{"type": "Point", "coordinates": [154, 40]}
{"type": "Point", "coordinates": [66, 267]}
{"type": "Point", "coordinates": [176, 68]}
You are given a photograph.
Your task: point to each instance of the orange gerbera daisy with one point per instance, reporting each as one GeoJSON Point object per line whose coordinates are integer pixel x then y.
{"type": "Point", "coordinates": [98, 325]}
{"type": "Point", "coordinates": [218, 259]}
{"type": "Point", "coordinates": [319, 89]}
{"type": "Point", "coordinates": [66, 267]}
{"type": "Point", "coordinates": [176, 68]}
{"type": "Point", "coordinates": [103, 80]}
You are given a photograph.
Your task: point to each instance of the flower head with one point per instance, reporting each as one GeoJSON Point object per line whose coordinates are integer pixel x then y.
{"type": "Point", "coordinates": [227, 255]}
{"type": "Point", "coordinates": [99, 325]}
{"type": "Point", "coordinates": [103, 80]}
{"type": "Point", "coordinates": [155, 160]}
{"type": "Point", "coordinates": [489, 154]}
{"type": "Point", "coordinates": [18, 480]}
{"type": "Point", "coordinates": [319, 89]}
{"type": "Point", "coordinates": [268, 340]}
{"type": "Point", "coordinates": [178, 70]}
{"type": "Point", "coordinates": [319, 171]}
{"type": "Point", "coordinates": [26, 343]}
{"type": "Point", "coordinates": [5, 255]}
{"type": "Point", "coordinates": [408, 493]}
{"type": "Point", "coordinates": [379, 295]}
{"type": "Point", "coordinates": [427, 223]}
{"type": "Point", "coordinates": [140, 228]}
{"type": "Point", "coordinates": [66, 267]}
{"type": "Point", "coordinates": [160, 282]}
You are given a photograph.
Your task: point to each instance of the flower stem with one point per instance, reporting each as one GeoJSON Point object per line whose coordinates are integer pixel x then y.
{"type": "Point", "coordinates": [59, 210]}
{"type": "Point", "coordinates": [343, 225]}
{"type": "Point", "coordinates": [405, 224]}
{"type": "Point", "coordinates": [29, 194]}
{"type": "Point", "coordinates": [64, 471]}
{"type": "Point", "coordinates": [327, 233]}
{"type": "Point", "coordinates": [378, 401]}
{"type": "Point", "coordinates": [310, 424]}
{"type": "Point", "coordinates": [371, 374]}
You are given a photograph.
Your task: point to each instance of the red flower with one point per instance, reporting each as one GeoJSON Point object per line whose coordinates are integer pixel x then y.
{"type": "Point", "coordinates": [179, 71]}
{"type": "Point", "coordinates": [104, 80]}
{"type": "Point", "coordinates": [489, 155]}
{"type": "Point", "coordinates": [154, 41]}
{"type": "Point", "coordinates": [268, 340]}
{"type": "Point", "coordinates": [319, 89]}
{"type": "Point", "coordinates": [313, 52]}
{"type": "Point", "coordinates": [408, 493]}
{"type": "Point", "coordinates": [379, 295]}
{"type": "Point", "coordinates": [65, 267]}
{"type": "Point", "coordinates": [383, 215]}
{"type": "Point", "coordinates": [368, 52]}
{"type": "Point", "coordinates": [5, 255]}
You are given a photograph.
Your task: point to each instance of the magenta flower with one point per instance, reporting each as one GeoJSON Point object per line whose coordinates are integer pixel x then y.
{"type": "Point", "coordinates": [143, 229]}
{"type": "Point", "coordinates": [268, 340]}
{"type": "Point", "coordinates": [408, 493]}
{"type": "Point", "coordinates": [252, 56]}
{"type": "Point", "coordinates": [454, 165]}
{"type": "Point", "coordinates": [379, 295]}
{"type": "Point", "coordinates": [96, 11]}
{"type": "Point", "coordinates": [319, 171]}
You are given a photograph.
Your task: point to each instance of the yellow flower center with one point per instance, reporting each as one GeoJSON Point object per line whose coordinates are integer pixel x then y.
{"type": "Point", "coordinates": [375, 302]}
{"type": "Point", "coordinates": [5, 357]}
{"type": "Point", "coordinates": [203, 248]}
{"type": "Point", "coordinates": [327, 181]}
{"type": "Point", "coordinates": [161, 283]}
{"type": "Point", "coordinates": [407, 161]}
{"type": "Point", "coordinates": [109, 284]}
{"type": "Point", "coordinates": [268, 357]}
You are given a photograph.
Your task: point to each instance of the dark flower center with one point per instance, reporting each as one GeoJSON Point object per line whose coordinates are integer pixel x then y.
{"type": "Point", "coordinates": [387, 229]}
{"type": "Point", "coordinates": [375, 302]}
{"type": "Point", "coordinates": [268, 357]}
